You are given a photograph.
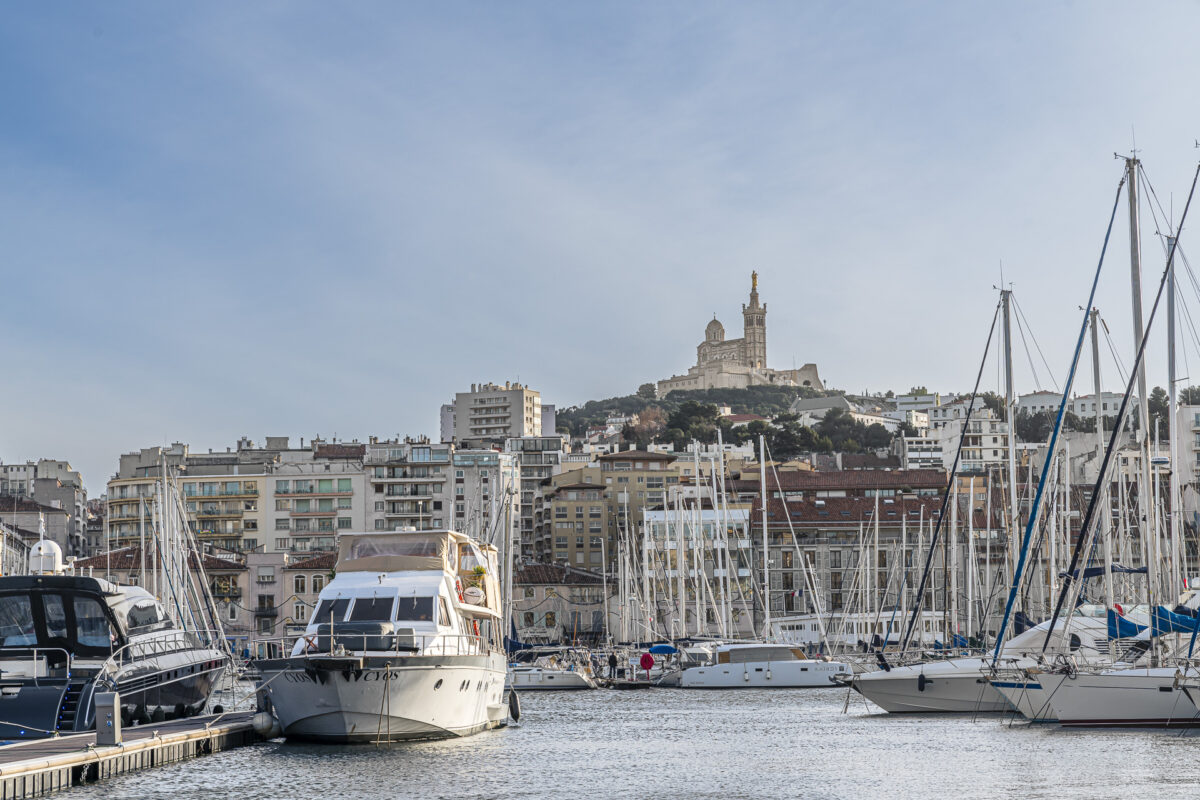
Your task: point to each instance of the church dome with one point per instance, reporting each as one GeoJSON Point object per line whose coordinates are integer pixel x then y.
{"type": "Point", "coordinates": [714, 332]}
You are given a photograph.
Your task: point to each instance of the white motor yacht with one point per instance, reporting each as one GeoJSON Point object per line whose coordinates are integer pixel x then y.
{"type": "Point", "coordinates": [551, 669]}
{"type": "Point", "coordinates": [761, 666]}
{"type": "Point", "coordinates": [404, 644]}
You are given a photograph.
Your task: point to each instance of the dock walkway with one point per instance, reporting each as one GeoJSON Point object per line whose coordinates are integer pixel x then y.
{"type": "Point", "coordinates": [40, 766]}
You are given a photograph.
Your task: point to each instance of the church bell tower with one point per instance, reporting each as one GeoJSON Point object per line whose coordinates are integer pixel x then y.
{"type": "Point", "coordinates": [754, 317]}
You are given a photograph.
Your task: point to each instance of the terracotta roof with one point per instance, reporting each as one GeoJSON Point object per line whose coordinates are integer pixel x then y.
{"type": "Point", "coordinates": [847, 511]}
{"type": "Point", "coordinates": [341, 451]}
{"type": "Point", "coordinates": [554, 575]}
{"type": "Point", "coordinates": [324, 561]}
{"type": "Point", "coordinates": [129, 558]}
{"type": "Point", "coordinates": [744, 417]}
{"type": "Point", "coordinates": [12, 503]}
{"type": "Point", "coordinates": [861, 479]}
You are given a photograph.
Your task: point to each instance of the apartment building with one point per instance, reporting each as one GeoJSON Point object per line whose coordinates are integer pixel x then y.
{"type": "Point", "coordinates": [582, 510]}
{"type": "Point", "coordinates": [538, 458]}
{"type": "Point", "coordinates": [490, 412]}
{"type": "Point", "coordinates": [52, 482]}
{"type": "Point", "coordinates": [274, 498]}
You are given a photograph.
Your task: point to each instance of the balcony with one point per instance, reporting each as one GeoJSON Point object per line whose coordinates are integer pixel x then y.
{"type": "Point", "coordinates": [226, 592]}
{"type": "Point", "coordinates": [222, 493]}
{"type": "Point", "coordinates": [216, 512]}
{"type": "Point", "coordinates": [266, 611]}
{"type": "Point", "coordinates": [315, 513]}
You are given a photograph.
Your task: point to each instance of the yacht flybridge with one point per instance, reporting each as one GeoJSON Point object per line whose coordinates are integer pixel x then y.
{"type": "Point", "coordinates": [405, 643]}
{"type": "Point", "coordinates": [64, 637]}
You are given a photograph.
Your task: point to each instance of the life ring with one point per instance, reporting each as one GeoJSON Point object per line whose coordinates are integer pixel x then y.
{"type": "Point", "coordinates": [475, 625]}
{"type": "Point", "coordinates": [1120, 611]}
{"type": "Point", "coordinates": [458, 588]}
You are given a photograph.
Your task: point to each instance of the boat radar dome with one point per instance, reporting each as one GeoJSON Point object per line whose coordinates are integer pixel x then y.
{"type": "Point", "coordinates": [45, 558]}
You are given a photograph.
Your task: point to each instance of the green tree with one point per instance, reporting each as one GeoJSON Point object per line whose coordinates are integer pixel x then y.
{"type": "Point", "coordinates": [1190, 396]}
{"type": "Point", "coordinates": [647, 391]}
{"type": "Point", "coordinates": [1034, 427]}
{"type": "Point", "coordinates": [1159, 407]}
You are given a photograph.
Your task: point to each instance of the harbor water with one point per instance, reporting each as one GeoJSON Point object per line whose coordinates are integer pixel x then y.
{"type": "Point", "coordinates": [706, 744]}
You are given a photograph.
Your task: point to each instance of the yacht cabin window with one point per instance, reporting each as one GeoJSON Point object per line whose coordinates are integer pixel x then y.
{"type": "Point", "coordinates": [415, 609]}
{"type": "Point", "coordinates": [332, 610]}
{"type": "Point", "coordinates": [372, 609]}
{"type": "Point", "coordinates": [16, 621]}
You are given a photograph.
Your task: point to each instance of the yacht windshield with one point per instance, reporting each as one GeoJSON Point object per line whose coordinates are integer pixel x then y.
{"type": "Point", "coordinates": [372, 609]}
{"type": "Point", "coordinates": [16, 621]}
{"type": "Point", "coordinates": [332, 610]}
{"type": "Point", "coordinates": [91, 626]}
{"type": "Point", "coordinates": [415, 609]}
{"type": "Point", "coordinates": [75, 622]}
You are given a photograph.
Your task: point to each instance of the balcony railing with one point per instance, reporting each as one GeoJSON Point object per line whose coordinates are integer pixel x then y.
{"type": "Point", "coordinates": [266, 611]}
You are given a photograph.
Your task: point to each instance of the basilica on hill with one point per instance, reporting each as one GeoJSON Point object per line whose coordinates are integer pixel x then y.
{"type": "Point", "coordinates": [738, 363]}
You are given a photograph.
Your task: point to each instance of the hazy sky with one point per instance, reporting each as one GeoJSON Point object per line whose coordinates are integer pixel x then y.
{"type": "Point", "coordinates": [286, 218]}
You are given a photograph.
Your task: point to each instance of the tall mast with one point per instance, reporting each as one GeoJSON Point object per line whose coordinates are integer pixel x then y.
{"type": "Point", "coordinates": [762, 482]}
{"type": "Point", "coordinates": [1011, 413]}
{"type": "Point", "coordinates": [1175, 501]}
{"type": "Point", "coordinates": [1105, 502]}
{"type": "Point", "coordinates": [1146, 505]}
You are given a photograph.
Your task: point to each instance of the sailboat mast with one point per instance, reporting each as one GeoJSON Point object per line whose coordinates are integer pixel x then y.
{"type": "Point", "coordinates": [1175, 501]}
{"type": "Point", "coordinates": [1011, 414]}
{"type": "Point", "coordinates": [1105, 502]}
{"type": "Point", "coordinates": [1145, 503]}
{"type": "Point", "coordinates": [762, 482]}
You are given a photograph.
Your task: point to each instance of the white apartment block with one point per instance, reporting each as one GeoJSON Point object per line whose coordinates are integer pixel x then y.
{"type": "Point", "coordinates": [921, 403]}
{"type": "Point", "coordinates": [493, 412]}
{"type": "Point", "coordinates": [1083, 405]}
{"type": "Point", "coordinates": [986, 443]}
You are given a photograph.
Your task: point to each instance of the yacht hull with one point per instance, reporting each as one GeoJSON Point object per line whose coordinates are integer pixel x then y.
{"type": "Point", "coordinates": [1027, 696]}
{"type": "Point", "coordinates": [763, 675]}
{"type": "Point", "coordinates": [934, 689]}
{"type": "Point", "coordinates": [1124, 698]}
{"type": "Point", "coordinates": [537, 679]}
{"type": "Point", "coordinates": [387, 698]}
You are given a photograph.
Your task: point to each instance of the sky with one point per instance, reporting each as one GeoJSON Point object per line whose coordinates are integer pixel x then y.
{"type": "Point", "coordinates": [226, 219]}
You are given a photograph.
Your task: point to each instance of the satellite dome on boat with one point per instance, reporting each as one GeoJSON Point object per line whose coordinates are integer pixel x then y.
{"type": "Point", "coordinates": [45, 558]}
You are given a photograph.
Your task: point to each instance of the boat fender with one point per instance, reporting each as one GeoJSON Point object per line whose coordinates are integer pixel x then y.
{"type": "Point", "coordinates": [745, 676]}
{"type": "Point", "coordinates": [458, 588]}
{"type": "Point", "coordinates": [922, 682]}
{"type": "Point", "coordinates": [768, 674]}
{"type": "Point", "coordinates": [514, 706]}
{"type": "Point", "coordinates": [266, 726]}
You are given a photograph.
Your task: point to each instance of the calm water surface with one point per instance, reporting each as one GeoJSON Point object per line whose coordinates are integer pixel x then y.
{"type": "Point", "coordinates": [707, 744]}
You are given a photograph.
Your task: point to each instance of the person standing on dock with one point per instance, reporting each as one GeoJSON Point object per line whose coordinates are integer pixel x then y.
{"type": "Point", "coordinates": [612, 665]}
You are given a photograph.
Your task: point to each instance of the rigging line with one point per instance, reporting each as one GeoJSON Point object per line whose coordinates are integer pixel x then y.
{"type": "Point", "coordinates": [919, 600]}
{"type": "Point", "coordinates": [1021, 330]}
{"type": "Point", "coordinates": [1191, 325]}
{"type": "Point", "coordinates": [1052, 444]}
{"type": "Point", "coordinates": [1032, 335]}
{"type": "Point", "coordinates": [1112, 348]}
{"type": "Point", "coordinates": [1100, 476]}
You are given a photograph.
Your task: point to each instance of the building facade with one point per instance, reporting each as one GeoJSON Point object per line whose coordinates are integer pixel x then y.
{"type": "Point", "coordinates": [490, 412]}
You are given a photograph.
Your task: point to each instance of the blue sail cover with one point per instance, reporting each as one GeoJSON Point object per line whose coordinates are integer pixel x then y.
{"type": "Point", "coordinates": [1164, 620]}
{"type": "Point", "coordinates": [1096, 572]}
{"type": "Point", "coordinates": [1121, 628]}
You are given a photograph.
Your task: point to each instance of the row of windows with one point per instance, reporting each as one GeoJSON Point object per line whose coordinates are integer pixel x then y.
{"type": "Point", "coordinates": [305, 486]}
